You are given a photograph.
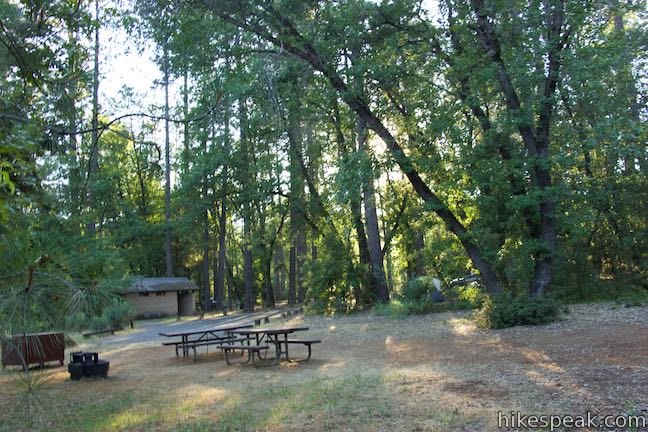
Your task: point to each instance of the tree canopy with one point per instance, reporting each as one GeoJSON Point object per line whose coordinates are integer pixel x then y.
{"type": "Point", "coordinates": [323, 152]}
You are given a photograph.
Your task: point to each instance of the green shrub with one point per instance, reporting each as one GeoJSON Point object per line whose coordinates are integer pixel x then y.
{"type": "Point", "coordinates": [97, 323]}
{"type": "Point", "coordinates": [504, 311]}
{"type": "Point", "coordinates": [117, 314]}
{"type": "Point", "coordinates": [418, 290]}
{"type": "Point", "coordinates": [632, 296]}
{"type": "Point", "coordinates": [77, 322]}
{"type": "Point", "coordinates": [393, 309]}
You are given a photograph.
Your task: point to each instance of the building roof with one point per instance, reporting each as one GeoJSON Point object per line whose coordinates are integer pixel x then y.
{"type": "Point", "coordinates": [143, 285]}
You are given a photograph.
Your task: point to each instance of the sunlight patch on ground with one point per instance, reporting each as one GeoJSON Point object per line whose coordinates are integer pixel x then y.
{"type": "Point", "coordinates": [462, 326]}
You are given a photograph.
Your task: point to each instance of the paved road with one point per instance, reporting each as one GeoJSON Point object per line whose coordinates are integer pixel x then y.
{"type": "Point", "coordinates": [148, 330]}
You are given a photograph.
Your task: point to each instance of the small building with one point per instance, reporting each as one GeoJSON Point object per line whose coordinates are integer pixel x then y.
{"type": "Point", "coordinates": [158, 297]}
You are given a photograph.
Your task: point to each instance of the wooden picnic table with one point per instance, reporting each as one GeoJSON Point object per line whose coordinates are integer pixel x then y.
{"type": "Point", "coordinates": [209, 335]}
{"type": "Point", "coordinates": [273, 336]}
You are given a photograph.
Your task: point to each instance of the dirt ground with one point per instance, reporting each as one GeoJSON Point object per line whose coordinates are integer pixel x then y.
{"type": "Point", "coordinates": [434, 372]}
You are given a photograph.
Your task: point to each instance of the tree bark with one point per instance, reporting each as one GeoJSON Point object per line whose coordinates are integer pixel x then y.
{"type": "Point", "coordinates": [292, 274]}
{"type": "Point", "coordinates": [276, 276]}
{"type": "Point", "coordinates": [419, 246]}
{"type": "Point", "coordinates": [167, 168]}
{"type": "Point", "coordinates": [302, 250]}
{"type": "Point", "coordinates": [371, 219]}
{"type": "Point", "coordinates": [94, 151]}
{"type": "Point", "coordinates": [206, 294]}
{"type": "Point", "coordinates": [72, 96]}
{"type": "Point", "coordinates": [247, 212]}
{"type": "Point", "coordinates": [185, 112]}
{"type": "Point", "coordinates": [222, 220]}
{"type": "Point", "coordinates": [297, 247]}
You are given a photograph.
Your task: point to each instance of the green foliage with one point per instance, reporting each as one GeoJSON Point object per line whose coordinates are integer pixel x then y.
{"type": "Point", "coordinates": [505, 311]}
{"type": "Point", "coordinates": [49, 282]}
{"type": "Point", "coordinates": [292, 156]}
{"type": "Point", "coordinates": [331, 279]}
{"type": "Point", "coordinates": [119, 313]}
{"type": "Point", "coordinates": [393, 309]}
{"type": "Point", "coordinates": [632, 297]}
{"type": "Point", "coordinates": [417, 299]}
{"type": "Point", "coordinates": [418, 290]}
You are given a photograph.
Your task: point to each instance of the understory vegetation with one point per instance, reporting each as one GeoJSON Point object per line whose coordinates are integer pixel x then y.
{"type": "Point", "coordinates": [341, 155]}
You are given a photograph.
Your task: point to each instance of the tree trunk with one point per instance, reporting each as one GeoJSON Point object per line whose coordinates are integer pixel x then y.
{"type": "Point", "coordinates": [371, 218]}
{"type": "Point", "coordinates": [297, 207]}
{"type": "Point", "coordinates": [247, 213]}
{"type": "Point", "coordinates": [206, 294]}
{"type": "Point", "coordinates": [94, 151]}
{"type": "Point", "coordinates": [230, 282]}
{"type": "Point", "coordinates": [292, 274]}
{"type": "Point", "coordinates": [185, 113]}
{"type": "Point", "coordinates": [419, 245]}
{"type": "Point", "coordinates": [72, 91]}
{"type": "Point", "coordinates": [302, 250]}
{"type": "Point", "coordinates": [278, 259]}
{"type": "Point", "coordinates": [222, 221]}
{"type": "Point", "coordinates": [167, 169]}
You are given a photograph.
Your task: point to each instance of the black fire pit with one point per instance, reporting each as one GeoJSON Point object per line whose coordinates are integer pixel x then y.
{"type": "Point", "coordinates": [87, 364]}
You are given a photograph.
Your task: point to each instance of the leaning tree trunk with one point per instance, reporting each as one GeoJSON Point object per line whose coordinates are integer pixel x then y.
{"type": "Point", "coordinates": [308, 53]}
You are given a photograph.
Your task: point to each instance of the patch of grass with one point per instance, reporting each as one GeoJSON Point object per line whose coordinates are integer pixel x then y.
{"type": "Point", "coordinates": [393, 309]}
{"type": "Point", "coordinates": [401, 308]}
{"type": "Point", "coordinates": [352, 402]}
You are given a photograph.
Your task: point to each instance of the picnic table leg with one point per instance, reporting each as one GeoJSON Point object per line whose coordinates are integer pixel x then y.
{"type": "Point", "coordinates": [274, 362]}
{"type": "Point", "coordinates": [227, 357]}
{"type": "Point", "coordinates": [258, 342]}
{"type": "Point", "coordinates": [286, 343]}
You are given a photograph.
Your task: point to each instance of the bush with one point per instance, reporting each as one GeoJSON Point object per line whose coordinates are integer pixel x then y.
{"type": "Point", "coordinates": [393, 309]}
{"type": "Point", "coordinates": [633, 296]}
{"type": "Point", "coordinates": [420, 296]}
{"type": "Point", "coordinates": [118, 314]}
{"type": "Point", "coordinates": [504, 311]}
{"type": "Point", "coordinates": [76, 322]}
{"type": "Point", "coordinates": [419, 290]}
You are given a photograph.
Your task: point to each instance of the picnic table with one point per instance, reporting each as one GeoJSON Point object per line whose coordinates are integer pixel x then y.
{"type": "Point", "coordinates": [277, 337]}
{"type": "Point", "coordinates": [207, 337]}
